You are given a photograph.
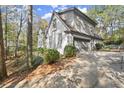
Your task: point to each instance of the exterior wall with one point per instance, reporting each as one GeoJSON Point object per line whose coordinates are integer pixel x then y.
{"type": "Point", "coordinates": [56, 37]}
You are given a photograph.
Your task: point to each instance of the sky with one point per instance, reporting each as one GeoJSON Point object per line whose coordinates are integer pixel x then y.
{"type": "Point", "coordinates": [45, 11]}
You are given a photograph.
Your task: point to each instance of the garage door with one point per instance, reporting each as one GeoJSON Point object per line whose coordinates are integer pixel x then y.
{"type": "Point", "coordinates": [81, 45]}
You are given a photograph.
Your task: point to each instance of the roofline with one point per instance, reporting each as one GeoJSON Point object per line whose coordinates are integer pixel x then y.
{"type": "Point", "coordinates": [56, 14]}
{"type": "Point", "coordinates": [82, 34]}
{"type": "Point", "coordinates": [49, 23]}
{"type": "Point", "coordinates": [87, 16]}
{"type": "Point", "coordinates": [74, 8]}
{"type": "Point", "coordinates": [62, 21]}
{"type": "Point", "coordinates": [66, 10]}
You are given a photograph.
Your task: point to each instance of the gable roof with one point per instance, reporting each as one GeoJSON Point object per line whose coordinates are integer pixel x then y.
{"type": "Point", "coordinates": [63, 22]}
{"type": "Point", "coordinates": [81, 14]}
{"type": "Point", "coordinates": [57, 15]}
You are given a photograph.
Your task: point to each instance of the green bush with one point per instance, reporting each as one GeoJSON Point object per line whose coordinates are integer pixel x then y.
{"type": "Point", "coordinates": [22, 48]}
{"type": "Point", "coordinates": [40, 50]}
{"type": "Point", "coordinates": [51, 55]}
{"type": "Point", "coordinates": [98, 46]}
{"type": "Point", "coordinates": [37, 60]}
{"type": "Point", "coordinates": [69, 51]}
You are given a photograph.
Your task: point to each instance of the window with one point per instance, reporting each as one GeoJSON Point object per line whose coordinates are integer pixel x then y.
{"type": "Point", "coordinates": [80, 24]}
{"type": "Point", "coordinates": [68, 39]}
{"type": "Point", "coordinates": [50, 41]}
{"type": "Point", "coordinates": [83, 25]}
{"type": "Point", "coordinates": [54, 24]}
{"type": "Point", "coordinates": [54, 40]}
{"type": "Point", "coordinates": [59, 40]}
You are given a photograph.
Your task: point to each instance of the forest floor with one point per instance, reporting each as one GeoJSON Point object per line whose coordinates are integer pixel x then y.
{"type": "Point", "coordinates": [96, 69]}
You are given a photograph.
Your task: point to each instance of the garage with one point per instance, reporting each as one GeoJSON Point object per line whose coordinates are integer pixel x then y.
{"type": "Point", "coordinates": [82, 44]}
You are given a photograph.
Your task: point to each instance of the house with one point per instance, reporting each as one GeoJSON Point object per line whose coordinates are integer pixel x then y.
{"type": "Point", "coordinates": [71, 26]}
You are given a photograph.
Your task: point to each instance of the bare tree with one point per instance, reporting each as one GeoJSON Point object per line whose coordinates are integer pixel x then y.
{"type": "Point", "coordinates": [17, 38]}
{"type": "Point", "coordinates": [29, 37]}
{"type": "Point", "coordinates": [3, 71]}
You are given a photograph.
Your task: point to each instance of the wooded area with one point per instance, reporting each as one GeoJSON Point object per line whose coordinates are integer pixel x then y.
{"type": "Point", "coordinates": [16, 23]}
{"type": "Point", "coordinates": [110, 21]}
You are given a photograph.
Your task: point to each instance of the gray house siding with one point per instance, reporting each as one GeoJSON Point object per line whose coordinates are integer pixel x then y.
{"type": "Point", "coordinates": [56, 37]}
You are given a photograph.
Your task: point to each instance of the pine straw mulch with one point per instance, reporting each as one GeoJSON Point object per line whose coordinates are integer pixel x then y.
{"type": "Point", "coordinates": [41, 70]}
{"type": "Point", "coordinates": [44, 70]}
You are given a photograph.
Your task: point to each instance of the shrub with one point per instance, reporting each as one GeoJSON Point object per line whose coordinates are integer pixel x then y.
{"type": "Point", "coordinates": [42, 50]}
{"type": "Point", "coordinates": [98, 46]}
{"type": "Point", "coordinates": [22, 48]}
{"type": "Point", "coordinates": [37, 60]}
{"type": "Point", "coordinates": [51, 55]}
{"type": "Point", "coordinates": [69, 51]}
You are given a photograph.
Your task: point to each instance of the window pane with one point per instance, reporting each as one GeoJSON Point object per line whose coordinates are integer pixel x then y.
{"type": "Point", "coordinates": [60, 40]}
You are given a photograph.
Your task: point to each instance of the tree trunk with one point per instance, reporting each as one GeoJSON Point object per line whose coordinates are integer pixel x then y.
{"type": "Point", "coordinates": [29, 37]}
{"type": "Point", "coordinates": [17, 39]}
{"type": "Point", "coordinates": [3, 72]}
{"type": "Point", "coordinates": [6, 49]}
